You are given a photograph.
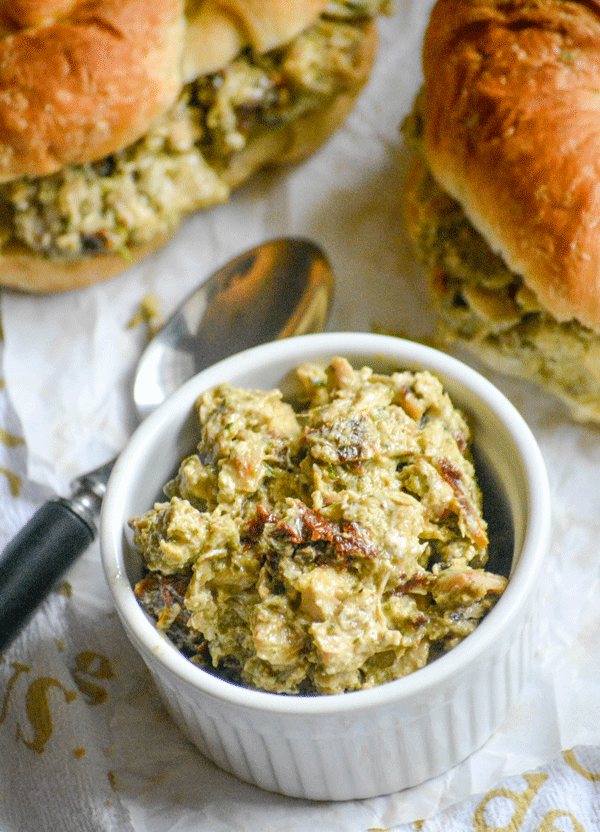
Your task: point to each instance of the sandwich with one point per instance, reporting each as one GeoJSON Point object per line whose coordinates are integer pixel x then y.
{"type": "Point", "coordinates": [120, 117]}
{"type": "Point", "coordinates": [503, 196]}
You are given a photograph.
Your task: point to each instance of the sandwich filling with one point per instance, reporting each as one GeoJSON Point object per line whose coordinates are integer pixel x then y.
{"type": "Point", "coordinates": [332, 545]}
{"type": "Point", "coordinates": [488, 308]}
{"type": "Point", "coordinates": [181, 165]}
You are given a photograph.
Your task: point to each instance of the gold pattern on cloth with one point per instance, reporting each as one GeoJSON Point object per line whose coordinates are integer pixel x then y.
{"type": "Point", "coordinates": [95, 666]}
{"type": "Point", "coordinates": [562, 796]}
{"type": "Point", "coordinates": [11, 441]}
{"type": "Point", "coordinates": [520, 800]}
{"type": "Point", "coordinates": [37, 708]}
{"type": "Point", "coordinates": [14, 481]}
{"type": "Point", "coordinates": [38, 711]}
{"type": "Point", "coordinates": [570, 758]}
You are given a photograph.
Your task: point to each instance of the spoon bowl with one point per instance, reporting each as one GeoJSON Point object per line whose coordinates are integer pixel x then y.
{"type": "Point", "coordinates": [275, 290]}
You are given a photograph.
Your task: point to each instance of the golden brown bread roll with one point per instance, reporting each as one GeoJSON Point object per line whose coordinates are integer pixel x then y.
{"type": "Point", "coordinates": [119, 117]}
{"type": "Point", "coordinates": [79, 81]}
{"type": "Point", "coordinates": [503, 202]}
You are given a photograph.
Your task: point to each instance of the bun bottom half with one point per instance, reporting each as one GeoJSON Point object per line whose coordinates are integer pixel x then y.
{"type": "Point", "coordinates": [486, 308]}
{"type": "Point", "coordinates": [25, 270]}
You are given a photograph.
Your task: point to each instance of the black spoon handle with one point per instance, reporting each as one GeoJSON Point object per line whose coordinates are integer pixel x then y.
{"type": "Point", "coordinates": [33, 562]}
{"type": "Point", "coordinates": [35, 559]}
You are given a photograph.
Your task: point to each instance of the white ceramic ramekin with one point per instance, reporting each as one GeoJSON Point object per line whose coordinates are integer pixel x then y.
{"type": "Point", "coordinates": [363, 743]}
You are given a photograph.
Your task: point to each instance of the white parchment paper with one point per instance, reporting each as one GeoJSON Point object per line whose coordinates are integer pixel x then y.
{"type": "Point", "coordinates": [68, 362]}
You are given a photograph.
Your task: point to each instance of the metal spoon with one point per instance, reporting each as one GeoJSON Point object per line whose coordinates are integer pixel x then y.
{"type": "Point", "coordinates": [278, 289]}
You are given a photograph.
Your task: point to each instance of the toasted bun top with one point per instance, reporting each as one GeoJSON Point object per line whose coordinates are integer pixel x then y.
{"type": "Point", "coordinates": [218, 29]}
{"type": "Point", "coordinates": [512, 131]}
{"type": "Point", "coordinates": [80, 79]}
